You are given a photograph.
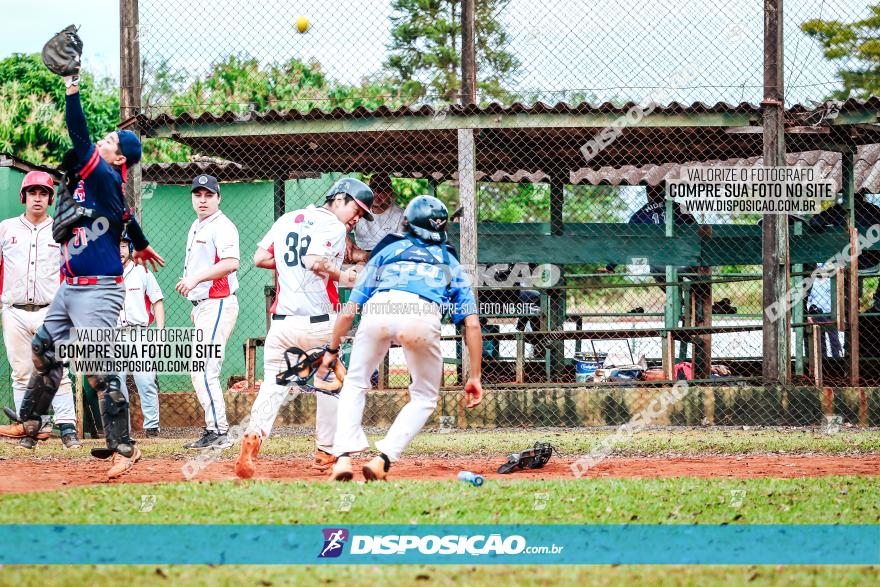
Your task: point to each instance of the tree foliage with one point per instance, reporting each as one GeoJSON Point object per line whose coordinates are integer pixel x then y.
{"type": "Point", "coordinates": [32, 109]}
{"type": "Point", "coordinates": [856, 46]}
{"type": "Point", "coordinates": [425, 48]}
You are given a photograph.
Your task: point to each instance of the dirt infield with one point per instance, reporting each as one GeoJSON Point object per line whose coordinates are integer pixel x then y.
{"type": "Point", "coordinates": [19, 475]}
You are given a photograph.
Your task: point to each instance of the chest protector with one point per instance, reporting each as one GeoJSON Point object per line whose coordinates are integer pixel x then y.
{"type": "Point", "coordinates": [68, 211]}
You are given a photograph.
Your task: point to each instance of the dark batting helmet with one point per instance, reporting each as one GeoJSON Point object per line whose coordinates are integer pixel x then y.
{"type": "Point", "coordinates": [356, 190]}
{"type": "Point", "coordinates": [426, 217]}
{"type": "Point", "coordinates": [38, 179]}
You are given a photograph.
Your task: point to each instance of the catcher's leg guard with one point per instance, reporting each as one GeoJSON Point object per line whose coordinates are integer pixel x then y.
{"type": "Point", "coordinates": [43, 383]}
{"type": "Point", "coordinates": [114, 414]}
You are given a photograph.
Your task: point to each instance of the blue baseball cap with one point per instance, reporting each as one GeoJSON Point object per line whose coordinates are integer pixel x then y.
{"type": "Point", "coordinates": [129, 146]}
{"type": "Point", "coordinates": [209, 182]}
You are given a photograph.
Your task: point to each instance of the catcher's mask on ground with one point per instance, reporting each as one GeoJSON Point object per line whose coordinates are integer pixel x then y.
{"type": "Point", "coordinates": [302, 367]}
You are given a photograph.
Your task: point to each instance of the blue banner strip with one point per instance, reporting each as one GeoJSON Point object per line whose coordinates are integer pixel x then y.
{"type": "Point", "coordinates": [441, 544]}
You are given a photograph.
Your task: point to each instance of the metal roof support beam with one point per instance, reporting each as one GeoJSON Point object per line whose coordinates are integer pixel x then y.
{"type": "Point", "coordinates": [599, 120]}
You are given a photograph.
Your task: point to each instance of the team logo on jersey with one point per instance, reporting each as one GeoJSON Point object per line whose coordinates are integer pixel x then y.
{"type": "Point", "coordinates": [12, 240]}
{"type": "Point", "coordinates": [299, 218]}
{"type": "Point", "coordinates": [79, 195]}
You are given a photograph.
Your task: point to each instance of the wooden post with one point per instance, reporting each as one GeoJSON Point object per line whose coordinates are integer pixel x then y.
{"type": "Point", "coordinates": [668, 351]}
{"type": "Point", "coordinates": [777, 366]}
{"type": "Point", "coordinates": [798, 315]}
{"type": "Point", "coordinates": [467, 191]}
{"type": "Point", "coordinates": [818, 354]}
{"type": "Point", "coordinates": [383, 373]}
{"type": "Point", "coordinates": [80, 405]}
{"type": "Point", "coordinates": [468, 54]}
{"type": "Point", "coordinates": [672, 308]}
{"type": "Point", "coordinates": [130, 89]}
{"type": "Point", "coordinates": [847, 158]}
{"type": "Point", "coordinates": [556, 296]}
{"type": "Point", "coordinates": [703, 342]}
{"type": "Point", "coordinates": [279, 203]}
{"type": "Point", "coordinates": [520, 357]}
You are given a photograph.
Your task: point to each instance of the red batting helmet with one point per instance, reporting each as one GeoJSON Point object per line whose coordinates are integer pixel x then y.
{"type": "Point", "coordinates": [38, 178]}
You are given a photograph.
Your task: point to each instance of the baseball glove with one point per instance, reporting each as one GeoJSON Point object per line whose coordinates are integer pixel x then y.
{"type": "Point", "coordinates": [63, 52]}
{"type": "Point", "coordinates": [533, 458]}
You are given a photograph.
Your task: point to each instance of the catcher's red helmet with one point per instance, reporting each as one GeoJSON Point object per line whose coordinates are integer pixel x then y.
{"type": "Point", "coordinates": [38, 178]}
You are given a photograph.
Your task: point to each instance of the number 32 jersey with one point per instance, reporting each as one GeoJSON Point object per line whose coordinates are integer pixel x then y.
{"type": "Point", "coordinates": [308, 232]}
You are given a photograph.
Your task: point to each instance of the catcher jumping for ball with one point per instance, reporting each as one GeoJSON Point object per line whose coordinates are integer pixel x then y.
{"type": "Point", "coordinates": [91, 293]}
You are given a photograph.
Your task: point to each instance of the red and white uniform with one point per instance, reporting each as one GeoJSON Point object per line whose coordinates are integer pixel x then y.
{"type": "Point", "coordinates": [210, 240]}
{"type": "Point", "coordinates": [142, 291]}
{"type": "Point", "coordinates": [30, 275]}
{"type": "Point", "coordinates": [304, 310]}
{"type": "Point", "coordinates": [216, 307]}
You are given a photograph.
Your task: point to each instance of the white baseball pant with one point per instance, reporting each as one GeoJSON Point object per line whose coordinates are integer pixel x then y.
{"type": "Point", "coordinates": [392, 317]}
{"type": "Point", "coordinates": [19, 327]}
{"type": "Point", "coordinates": [295, 331]}
{"type": "Point", "coordinates": [216, 319]}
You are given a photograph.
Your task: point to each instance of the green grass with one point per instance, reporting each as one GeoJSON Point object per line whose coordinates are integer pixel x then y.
{"type": "Point", "coordinates": [683, 441]}
{"type": "Point", "coordinates": [370, 576]}
{"type": "Point", "coordinates": [588, 501]}
{"type": "Point", "coordinates": [823, 500]}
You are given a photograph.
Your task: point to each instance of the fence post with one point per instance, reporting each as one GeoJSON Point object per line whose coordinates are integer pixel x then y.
{"type": "Point", "coordinates": [556, 296]}
{"type": "Point", "coordinates": [468, 53]}
{"type": "Point", "coordinates": [467, 186]}
{"type": "Point", "coordinates": [774, 241]}
{"type": "Point", "coordinates": [130, 88]}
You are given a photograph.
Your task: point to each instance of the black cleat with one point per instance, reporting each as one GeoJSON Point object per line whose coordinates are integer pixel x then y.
{"type": "Point", "coordinates": [203, 442]}
{"type": "Point", "coordinates": [210, 439]}
{"type": "Point", "coordinates": [70, 440]}
{"type": "Point", "coordinates": [28, 442]}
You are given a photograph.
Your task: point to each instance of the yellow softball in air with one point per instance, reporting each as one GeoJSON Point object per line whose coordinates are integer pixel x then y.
{"type": "Point", "coordinates": [302, 24]}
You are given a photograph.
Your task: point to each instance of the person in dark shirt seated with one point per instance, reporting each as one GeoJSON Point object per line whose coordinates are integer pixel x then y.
{"type": "Point", "coordinates": [654, 212]}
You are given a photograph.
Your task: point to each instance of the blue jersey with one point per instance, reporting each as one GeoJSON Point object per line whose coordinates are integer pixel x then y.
{"type": "Point", "coordinates": [430, 271]}
{"type": "Point", "coordinates": [93, 248]}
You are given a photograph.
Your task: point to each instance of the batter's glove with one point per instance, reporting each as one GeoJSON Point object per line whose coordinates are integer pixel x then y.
{"type": "Point", "coordinates": [62, 54]}
{"type": "Point", "coordinates": [302, 367]}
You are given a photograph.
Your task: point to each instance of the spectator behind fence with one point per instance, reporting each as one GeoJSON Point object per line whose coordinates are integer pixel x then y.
{"type": "Point", "coordinates": [387, 218]}
{"type": "Point", "coordinates": [819, 302]}
{"type": "Point", "coordinates": [866, 216]}
{"type": "Point", "coordinates": [654, 212]}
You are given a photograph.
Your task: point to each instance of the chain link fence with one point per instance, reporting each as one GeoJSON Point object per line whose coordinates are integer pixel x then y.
{"type": "Point", "coordinates": [596, 289]}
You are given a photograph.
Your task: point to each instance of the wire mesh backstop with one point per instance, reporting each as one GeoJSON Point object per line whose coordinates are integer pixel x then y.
{"type": "Point", "coordinates": [596, 290]}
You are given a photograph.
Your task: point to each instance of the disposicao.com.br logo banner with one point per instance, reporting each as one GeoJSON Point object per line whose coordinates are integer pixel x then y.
{"type": "Point", "coordinates": [494, 544]}
{"type": "Point", "coordinates": [440, 544]}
